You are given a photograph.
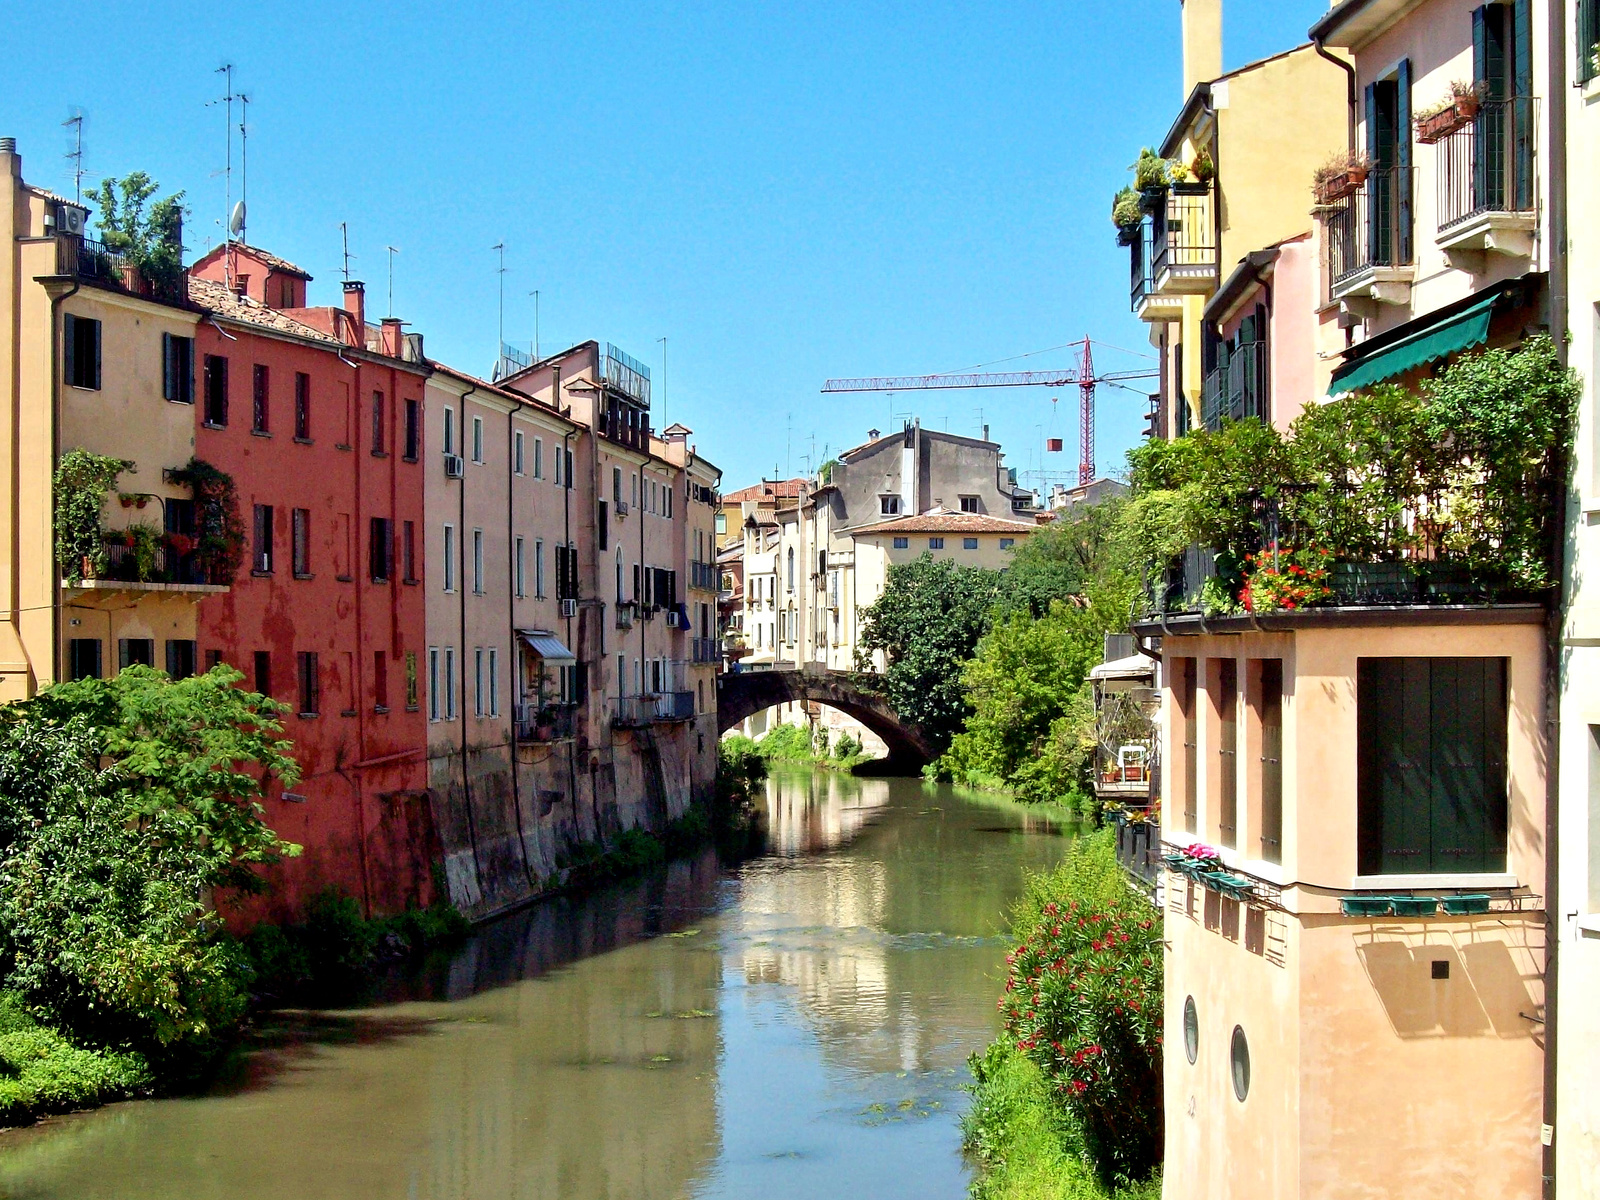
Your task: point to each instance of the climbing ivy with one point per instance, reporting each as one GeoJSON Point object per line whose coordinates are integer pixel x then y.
{"type": "Point", "coordinates": [220, 534]}
{"type": "Point", "coordinates": [82, 480]}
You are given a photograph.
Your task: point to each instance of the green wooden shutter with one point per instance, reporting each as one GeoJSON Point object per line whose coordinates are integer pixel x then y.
{"type": "Point", "coordinates": [1272, 760]}
{"type": "Point", "coordinates": [1228, 751]}
{"type": "Point", "coordinates": [1403, 183]}
{"type": "Point", "coordinates": [1522, 103]}
{"type": "Point", "coordinates": [69, 348]}
{"type": "Point", "coordinates": [1468, 770]}
{"type": "Point", "coordinates": [1191, 750]}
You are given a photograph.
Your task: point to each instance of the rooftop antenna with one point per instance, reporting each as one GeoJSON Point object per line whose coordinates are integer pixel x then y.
{"type": "Point", "coordinates": [75, 155]}
{"type": "Point", "coordinates": [344, 239]}
{"type": "Point", "coordinates": [244, 169]}
{"type": "Point", "coordinates": [501, 272]}
{"type": "Point", "coordinates": [788, 445]}
{"type": "Point", "coordinates": [226, 70]}
{"type": "Point", "coordinates": [535, 295]}
{"type": "Point", "coordinates": [393, 250]}
{"type": "Point", "coordinates": [662, 411]}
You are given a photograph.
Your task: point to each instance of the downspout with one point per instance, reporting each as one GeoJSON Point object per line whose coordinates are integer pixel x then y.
{"type": "Point", "coordinates": [461, 593]}
{"type": "Point", "coordinates": [55, 457]}
{"type": "Point", "coordinates": [514, 655]}
{"type": "Point", "coordinates": [1556, 87]}
{"type": "Point", "coordinates": [1350, 87]}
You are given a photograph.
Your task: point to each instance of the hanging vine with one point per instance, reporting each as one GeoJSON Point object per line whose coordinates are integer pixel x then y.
{"type": "Point", "coordinates": [82, 481]}
{"type": "Point", "coordinates": [219, 543]}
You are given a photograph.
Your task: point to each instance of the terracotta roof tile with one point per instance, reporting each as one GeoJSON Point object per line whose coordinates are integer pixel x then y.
{"type": "Point", "coordinates": [767, 489]}
{"type": "Point", "coordinates": [946, 522]}
{"type": "Point", "coordinates": [219, 299]}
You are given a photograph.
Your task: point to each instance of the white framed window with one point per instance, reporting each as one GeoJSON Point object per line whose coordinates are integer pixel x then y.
{"type": "Point", "coordinates": [433, 683]}
{"type": "Point", "coordinates": [538, 568]}
{"type": "Point", "coordinates": [666, 495]}
{"type": "Point", "coordinates": [449, 430]}
{"type": "Point", "coordinates": [521, 578]}
{"type": "Point", "coordinates": [477, 439]}
{"type": "Point", "coordinates": [516, 452]}
{"type": "Point", "coordinates": [538, 458]}
{"type": "Point", "coordinates": [478, 696]}
{"type": "Point", "coordinates": [616, 484]}
{"type": "Point", "coordinates": [494, 682]}
{"type": "Point", "coordinates": [449, 683]}
{"type": "Point", "coordinates": [622, 675]}
{"type": "Point", "coordinates": [621, 595]}
{"type": "Point", "coordinates": [633, 489]}
{"type": "Point", "coordinates": [449, 572]}
{"type": "Point", "coordinates": [559, 457]}
{"type": "Point", "coordinates": [477, 562]}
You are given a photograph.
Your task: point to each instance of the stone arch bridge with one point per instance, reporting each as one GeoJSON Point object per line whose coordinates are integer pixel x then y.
{"type": "Point", "coordinates": [744, 693]}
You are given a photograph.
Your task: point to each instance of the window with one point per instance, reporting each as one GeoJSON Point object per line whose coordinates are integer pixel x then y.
{"type": "Point", "coordinates": [433, 683]}
{"type": "Point", "coordinates": [380, 549]}
{"type": "Point", "coordinates": [258, 399]}
{"type": "Point", "coordinates": [1271, 716]}
{"type": "Point", "coordinates": [300, 548]}
{"type": "Point", "coordinates": [616, 484]}
{"type": "Point", "coordinates": [83, 658]}
{"type": "Point", "coordinates": [449, 558]}
{"type": "Point", "coordinates": [408, 551]}
{"type": "Point", "coordinates": [216, 406]}
{"type": "Point", "coordinates": [449, 683]}
{"type": "Point", "coordinates": [263, 672]}
{"type": "Point", "coordinates": [1007, 543]}
{"type": "Point", "coordinates": [516, 452]}
{"type": "Point", "coordinates": [567, 455]}
{"type": "Point", "coordinates": [413, 445]}
{"type": "Point", "coordinates": [902, 543]}
{"type": "Point", "coordinates": [181, 656]}
{"type": "Point", "coordinates": [1431, 765]}
{"type": "Point", "coordinates": [411, 681]}
{"type": "Point", "coordinates": [1588, 37]}
{"type": "Point", "coordinates": [449, 431]}
{"type": "Point", "coordinates": [604, 525]}
{"type": "Point", "coordinates": [478, 692]}
{"type": "Point", "coordinates": [969, 543]}
{"type": "Point", "coordinates": [538, 567]}
{"type": "Point", "coordinates": [136, 652]}
{"type": "Point", "coordinates": [380, 681]}
{"type": "Point", "coordinates": [477, 439]}
{"type": "Point", "coordinates": [538, 458]}
{"type": "Point", "coordinates": [1191, 1031]}
{"type": "Point", "coordinates": [379, 425]}
{"type": "Point", "coordinates": [1227, 701]}
{"type": "Point", "coordinates": [1239, 1063]}
{"type": "Point", "coordinates": [494, 682]}
{"type": "Point", "coordinates": [722, 523]}
{"type": "Point", "coordinates": [790, 576]}
{"type": "Point", "coordinates": [936, 543]}
{"type": "Point", "coordinates": [82, 336]}
{"type": "Point", "coordinates": [263, 540]}
{"type": "Point", "coordinates": [1183, 689]}
{"type": "Point", "coordinates": [518, 569]}
{"type": "Point", "coordinates": [477, 562]}
{"type": "Point", "coordinates": [559, 457]}
{"type": "Point", "coordinates": [889, 506]}
{"type": "Point", "coordinates": [177, 368]}
{"type": "Point", "coordinates": [302, 406]}
{"type": "Point", "coordinates": [1594, 816]}
{"type": "Point", "coordinates": [969, 504]}
{"type": "Point", "coordinates": [310, 685]}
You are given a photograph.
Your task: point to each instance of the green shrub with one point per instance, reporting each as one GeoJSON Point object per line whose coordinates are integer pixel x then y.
{"type": "Point", "coordinates": [1083, 1002]}
{"type": "Point", "coordinates": [787, 743]}
{"type": "Point", "coordinates": [42, 1072]}
{"type": "Point", "coordinates": [847, 747]}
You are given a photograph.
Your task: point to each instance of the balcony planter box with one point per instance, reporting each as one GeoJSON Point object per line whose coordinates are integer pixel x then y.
{"type": "Point", "coordinates": [1373, 583]}
{"type": "Point", "coordinates": [1153, 199]}
{"type": "Point", "coordinates": [1437, 126]}
{"type": "Point", "coordinates": [1465, 906]}
{"type": "Point", "coordinates": [1332, 189]}
{"type": "Point", "coordinates": [1127, 235]}
{"type": "Point", "coordinates": [1415, 906]}
{"type": "Point", "coordinates": [1366, 906]}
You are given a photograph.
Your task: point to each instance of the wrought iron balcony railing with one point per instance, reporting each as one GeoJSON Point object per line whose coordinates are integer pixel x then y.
{"type": "Point", "coordinates": [1488, 164]}
{"type": "Point", "coordinates": [1373, 228]}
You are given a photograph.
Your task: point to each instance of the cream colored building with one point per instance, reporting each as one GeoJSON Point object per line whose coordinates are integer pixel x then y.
{"type": "Point", "coordinates": [91, 363]}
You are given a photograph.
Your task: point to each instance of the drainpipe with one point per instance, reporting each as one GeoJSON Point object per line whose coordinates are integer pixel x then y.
{"type": "Point", "coordinates": [55, 457]}
{"type": "Point", "coordinates": [1350, 86]}
{"type": "Point", "coordinates": [1557, 90]}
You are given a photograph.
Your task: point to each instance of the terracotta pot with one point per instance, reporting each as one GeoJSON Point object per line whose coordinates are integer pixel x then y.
{"type": "Point", "coordinates": [1442, 124]}
{"type": "Point", "coordinates": [1466, 107]}
{"type": "Point", "coordinates": [1341, 187]}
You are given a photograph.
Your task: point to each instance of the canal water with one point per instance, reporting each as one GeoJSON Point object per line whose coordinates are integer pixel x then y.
{"type": "Point", "coordinates": [796, 1026]}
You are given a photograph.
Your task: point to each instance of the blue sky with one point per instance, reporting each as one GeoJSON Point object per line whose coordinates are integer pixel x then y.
{"type": "Point", "coordinates": [785, 192]}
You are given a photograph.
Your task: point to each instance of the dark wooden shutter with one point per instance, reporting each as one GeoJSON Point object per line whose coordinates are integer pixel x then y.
{"type": "Point", "coordinates": [69, 348]}
{"type": "Point", "coordinates": [1228, 750]}
{"type": "Point", "coordinates": [1522, 103]}
{"type": "Point", "coordinates": [1272, 759]}
{"type": "Point", "coordinates": [1403, 182]}
{"type": "Point", "coordinates": [1467, 794]}
{"type": "Point", "coordinates": [1184, 683]}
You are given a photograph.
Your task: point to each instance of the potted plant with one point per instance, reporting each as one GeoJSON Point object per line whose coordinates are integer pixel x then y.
{"type": "Point", "coordinates": [1150, 175]}
{"type": "Point", "coordinates": [1203, 168]}
{"type": "Point", "coordinates": [1455, 111]}
{"type": "Point", "coordinates": [1127, 215]}
{"type": "Point", "coordinates": [1340, 177]}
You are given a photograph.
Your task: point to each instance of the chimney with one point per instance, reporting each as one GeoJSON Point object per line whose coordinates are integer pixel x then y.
{"type": "Point", "coordinates": [1202, 42]}
{"type": "Point", "coordinates": [355, 303]}
{"type": "Point", "coordinates": [393, 344]}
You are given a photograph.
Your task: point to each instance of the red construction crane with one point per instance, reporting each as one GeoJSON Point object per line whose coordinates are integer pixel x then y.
{"type": "Point", "coordinates": [1083, 376]}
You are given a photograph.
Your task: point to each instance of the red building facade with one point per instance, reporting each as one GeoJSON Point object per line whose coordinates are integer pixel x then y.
{"type": "Point", "coordinates": [317, 417]}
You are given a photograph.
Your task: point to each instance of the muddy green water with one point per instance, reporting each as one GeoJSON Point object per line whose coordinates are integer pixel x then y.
{"type": "Point", "coordinates": [793, 1027]}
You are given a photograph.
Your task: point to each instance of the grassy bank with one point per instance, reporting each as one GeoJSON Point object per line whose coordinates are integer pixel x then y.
{"type": "Point", "coordinates": [1022, 1142]}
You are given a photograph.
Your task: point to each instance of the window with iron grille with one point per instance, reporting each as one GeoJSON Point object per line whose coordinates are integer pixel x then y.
{"type": "Point", "coordinates": [263, 672]}
{"type": "Point", "coordinates": [84, 658]}
{"type": "Point", "coordinates": [1588, 27]}
{"type": "Point", "coordinates": [380, 681]}
{"type": "Point", "coordinates": [259, 415]}
{"type": "Point", "coordinates": [181, 655]}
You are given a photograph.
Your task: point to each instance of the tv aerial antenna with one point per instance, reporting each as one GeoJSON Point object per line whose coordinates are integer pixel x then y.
{"type": "Point", "coordinates": [75, 155]}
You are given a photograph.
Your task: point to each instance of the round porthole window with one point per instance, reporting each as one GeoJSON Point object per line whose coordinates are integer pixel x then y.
{"type": "Point", "coordinates": [1241, 1064]}
{"type": "Point", "coordinates": [1191, 1031]}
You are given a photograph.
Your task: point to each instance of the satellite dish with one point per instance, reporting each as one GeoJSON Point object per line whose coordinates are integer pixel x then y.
{"type": "Point", "coordinates": [236, 219]}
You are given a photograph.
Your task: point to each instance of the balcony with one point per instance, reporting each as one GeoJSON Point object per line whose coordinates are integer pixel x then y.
{"type": "Point", "coordinates": [1371, 256]}
{"type": "Point", "coordinates": [1237, 387]}
{"type": "Point", "coordinates": [625, 613]}
{"type": "Point", "coordinates": [706, 650]}
{"type": "Point", "coordinates": [1183, 241]}
{"type": "Point", "coordinates": [1146, 302]}
{"type": "Point", "coordinates": [549, 723]}
{"type": "Point", "coordinates": [1487, 189]}
{"type": "Point", "coordinates": [650, 708]}
{"type": "Point", "coordinates": [703, 576]}
{"type": "Point", "coordinates": [167, 567]}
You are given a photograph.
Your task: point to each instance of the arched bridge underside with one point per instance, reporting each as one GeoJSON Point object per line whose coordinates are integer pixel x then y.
{"type": "Point", "coordinates": [746, 693]}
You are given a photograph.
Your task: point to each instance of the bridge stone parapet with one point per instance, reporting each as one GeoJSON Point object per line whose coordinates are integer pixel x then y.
{"type": "Point", "coordinates": [742, 694]}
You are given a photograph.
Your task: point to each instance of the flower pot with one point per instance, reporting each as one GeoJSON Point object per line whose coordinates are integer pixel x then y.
{"type": "Point", "coordinates": [1334, 188]}
{"type": "Point", "coordinates": [127, 501]}
{"type": "Point", "coordinates": [1466, 108]}
{"type": "Point", "coordinates": [1440, 125]}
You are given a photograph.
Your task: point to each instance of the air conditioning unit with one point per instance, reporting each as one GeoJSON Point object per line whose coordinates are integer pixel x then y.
{"type": "Point", "coordinates": [71, 219]}
{"type": "Point", "coordinates": [673, 620]}
{"type": "Point", "coordinates": [569, 608]}
{"type": "Point", "coordinates": [454, 466]}
{"type": "Point", "coordinates": [622, 508]}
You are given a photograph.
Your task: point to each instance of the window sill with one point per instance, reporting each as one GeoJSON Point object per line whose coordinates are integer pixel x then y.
{"type": "Point", "coordinates": [303, 575]}
{"type": "Point", "coordinates": [380, 454]}
{"type": "Point", "coordinates": [410, 458]}
{"type": "Point", "coordinates": [304, 441]}
{"type": "Point", "coordinates": [261, 574]}
{"type": "Point", "coordinates": [341, 446]}
{"type": "Point", "coordinates": [345, 578]}
{"type": "Point", "coordinates": [380, 582]}
{"type": "Point", "coordinates": [1475, 879]}
{"type": "Point", "coordinates": [411, 582]}
{"type": "Point", "coordinates": [1591, 90]}
{"type": "Point", "coordinates": [413, 708]}
{"type": "Point", "coordinates": [308, 716]}
{"type": "Point", "coordinates": [347, 712]}
{"type": "Point", "coordinates": [260, 433]}
{"type": "Point", "coordinates": [381, 710]}
{"type": "Point", "coordinates": [211, 425]}
{"type": "Point", "coordinates": [1589, 923]}
{"type": "Point", "coordinates": [78, 387]}
{"type": "Point", "coordinates": [188, 403]}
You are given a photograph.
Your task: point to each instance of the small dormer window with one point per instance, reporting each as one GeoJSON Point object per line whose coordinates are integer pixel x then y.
{"type": "Point", "coordinates": [286, 294]}
{"type": "Point", "coordinates": [889, 506]}
{"type": "Point", "coordinates": [969, 504]}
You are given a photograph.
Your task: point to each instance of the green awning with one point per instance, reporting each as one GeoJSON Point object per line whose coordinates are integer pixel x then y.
{"type": "Point", "coordinates": [1469, 327]}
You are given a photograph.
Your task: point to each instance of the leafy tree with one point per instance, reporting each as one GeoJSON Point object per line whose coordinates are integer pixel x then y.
{"type": "Point", "coordinates": [926, 623]}
{"type": "Point", "coordinates": [1058, 561]}
{"type": "Point", "coordinates": [124, 805]}
{"type": "Point", "coordinates": [150, 240]}
{"type": "Point", "coordinates": [81, 483]}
